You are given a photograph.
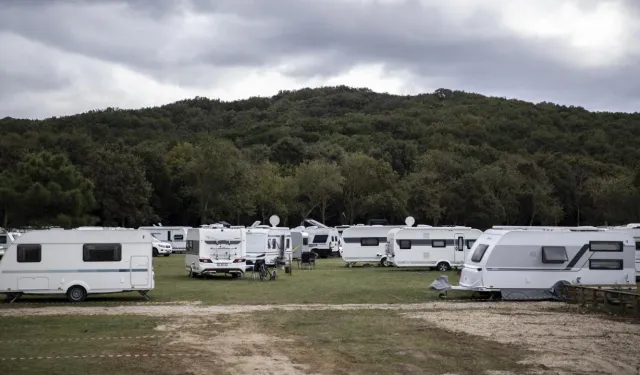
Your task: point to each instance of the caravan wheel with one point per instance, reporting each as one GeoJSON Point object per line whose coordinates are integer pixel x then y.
{"type": "Point", "coordinates": [76, 294]}
{"type": "Point", "coordinates": [443, 267]}
{"type": "Point", "coordinates": [384, 262]}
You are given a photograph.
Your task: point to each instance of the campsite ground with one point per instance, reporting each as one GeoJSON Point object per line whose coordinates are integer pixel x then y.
{"type": "Point", "coordinates": [333, 320]}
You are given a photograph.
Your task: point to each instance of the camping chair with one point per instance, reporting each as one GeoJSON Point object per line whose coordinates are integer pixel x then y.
{"type": "Point", "coordinates": [308, 258]}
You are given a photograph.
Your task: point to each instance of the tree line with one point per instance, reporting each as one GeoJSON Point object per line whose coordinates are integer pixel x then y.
{"type": "Point", "coordinates": [337, 154]}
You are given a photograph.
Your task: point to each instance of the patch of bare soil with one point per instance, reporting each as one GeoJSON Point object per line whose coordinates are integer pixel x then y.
{"type": "Point", "coordinates": [233, 347]}
{"type": "Point", "coordinates": [561, 342]}
{"type": "Point", "coordinates": [194, 309]}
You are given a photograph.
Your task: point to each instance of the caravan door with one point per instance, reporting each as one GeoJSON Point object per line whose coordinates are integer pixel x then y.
{"type": "Point", "coordinates": [139, 271]}
{"type": "Point", "coordinates": [459, 253]}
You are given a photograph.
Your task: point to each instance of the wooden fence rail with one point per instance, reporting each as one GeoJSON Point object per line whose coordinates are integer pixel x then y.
{"type": "Point", "coordinates": [611, 300]}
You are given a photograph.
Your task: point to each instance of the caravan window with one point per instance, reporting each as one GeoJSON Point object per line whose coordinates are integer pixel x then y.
{"type": "Point", "coordinates": [605, 264]}
{"type": "Point", "coordinates": [470, 243]}
{"type": "Point", "coordinates": [29, 253]}
{"type": "Point", "coordinates": [637, 245]}
{"type": "Point", "coordinates": [320, 238]}
{"type": "Point", "coordinates": [554, 254]}
{"type": "Point", "coordinates": [274, 244]}
{"type": "Point", "coordinates": [288, 245]}
{"type": "Point", "coordinates": [439, 243]}
{"type": "Point", "coordinates": [305, 241]}
{"type": "Point", "coordinates": [193, 247]}
{"type": "Point", "coordinates": [369, 242]}
{"type": "Point", "coordinates": [405, 244]}
{"type": "Point", "coordinates": [178, 237]}
{"type": "Point", "coordinates": [3, 239]}
{"type": "Point", "coordinates": [479, 253]}
{"type": "Point", "coordinates": [102, 252]}
{"type": "Point", "coordinates": [605, 246]}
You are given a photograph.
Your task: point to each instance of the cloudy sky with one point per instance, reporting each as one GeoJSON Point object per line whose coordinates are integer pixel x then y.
{"type": "Point", "coordinates": [62, 57]}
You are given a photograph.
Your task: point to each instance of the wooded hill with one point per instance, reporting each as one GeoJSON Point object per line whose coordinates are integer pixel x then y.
{"type": "Point", "coordinates": [337, 154]}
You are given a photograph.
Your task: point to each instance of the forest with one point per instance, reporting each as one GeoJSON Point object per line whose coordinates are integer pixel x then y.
{"type": "Point", "coordinates": [340, 155]}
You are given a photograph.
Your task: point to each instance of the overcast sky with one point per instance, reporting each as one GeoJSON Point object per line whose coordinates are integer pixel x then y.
{"type": "Point", "coordinates": [63, 57]}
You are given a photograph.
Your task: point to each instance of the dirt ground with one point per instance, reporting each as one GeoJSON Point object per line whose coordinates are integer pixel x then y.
{"type": "Point", "coordinates": [559, 341]}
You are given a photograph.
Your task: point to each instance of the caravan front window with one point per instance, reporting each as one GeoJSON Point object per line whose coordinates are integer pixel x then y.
{"type": "Point", "coordinates": [3, 239]}
{"type": "Point", "coordinates": [554, 254]}
{"type": "Point", "coordinates": [479, 253]}
{"type": "Point", "coordinates": [102, 252]}
{"type": "Point", "coordinates": [29, 253]}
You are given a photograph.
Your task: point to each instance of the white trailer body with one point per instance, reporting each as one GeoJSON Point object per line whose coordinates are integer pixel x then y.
{"type": "Point", "coordinates": [527, 264]}
{"type": "Point", "coordinates": [299, 242]}
{"type": "Point", "coordinates": [78, 263]}
{"type": "Point", "coordinates": [366, 244]}
{"type": "Point", "coordinates": [6, 239]}
{"type": "Point", "coordinates": [634, 230]}
{"type": "Point", "coordinates": [216, 250]}
{"type": "Point", "coordinates": [442, 248]}
{"type": "Point", "coordinates": [175, 236]}
{"type": "Point", "coordinates": [275, 238]}
{"type": "Point", "coordinates": [323, 241]}
{"type": "Point", "coordinates": [258, 244]}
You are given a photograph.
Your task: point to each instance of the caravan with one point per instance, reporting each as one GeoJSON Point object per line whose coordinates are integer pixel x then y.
{"type": "Point", "coordinates": [529, 263]}
{"type": "Point", "coordinates": [365, 244]}
{"type": "Point", "coordinates": [6, 239]}
{"type": "Point", "coordinates": [299, 242]}
{"type": "Point", "coordinates": [157, 247]}
{"type": "Point", "coordinates": [77, 263]}
{"type": "Point", "coordinates": [442, 248]}
{"type": "Point", "coordinates": [323, 240]}
{"type": "Point", "coordinates": [174, 236]}
{"type": "Point", "coordinates": [634, 229]}
{"type": "Point", "coordinates": [216, 250]}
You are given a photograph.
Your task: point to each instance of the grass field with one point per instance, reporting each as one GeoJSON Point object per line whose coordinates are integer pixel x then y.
{"type": "Point", "coordinates": [330, 282]}
{"type": "Point", "coordinates": [437, 338]}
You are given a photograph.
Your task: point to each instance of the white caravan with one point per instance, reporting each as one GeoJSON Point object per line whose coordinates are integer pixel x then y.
{"type": "Point", "coordinates": [77, 263]}
{"type": "Point", "coordinates": [442, 248]}
{"type": "Point", "coordinates": [216, 250]}
{"type": "Point", "coordinates": [175, 236]}
{"type": "Point", "coordinates": [299, 242]}
{"type": "Point", "coordinates": [531, 263]}
{"type": "Point", "coordinates": [323, 240]}
{"type": "Point", "coordinates": [634, 229]}
{"type": "Point", "coordinates": [279, 244]}
{"type": "Point", "coordinates": [6, 239]}
{"type": "Point", "coordinates": [257, 244]}
{"type": "Point", "coordinates": [157, 247]}
{"type": "Point", "coordinates": [366, 244]}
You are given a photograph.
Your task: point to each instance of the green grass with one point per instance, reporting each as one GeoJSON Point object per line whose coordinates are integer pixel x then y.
{"type": "Point", "coordinates": [385, 342]}
{"type": "Point", "coordinates": [330, 282]}
{"type": "Point", "coordinates": [24, 337]}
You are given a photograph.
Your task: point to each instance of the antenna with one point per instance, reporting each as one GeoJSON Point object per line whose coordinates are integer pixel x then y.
{"type": "Point", "coordinates": [409, 221]}
{"type": "Point", "coordinates": [274, 220]}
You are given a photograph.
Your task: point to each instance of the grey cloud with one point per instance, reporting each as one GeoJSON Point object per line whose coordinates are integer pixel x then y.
{"type": "Point", "coordinates": [475, 56]}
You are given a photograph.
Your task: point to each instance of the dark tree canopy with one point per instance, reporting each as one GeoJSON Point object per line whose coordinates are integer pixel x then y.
{"type": "Point", "coordinates": [337, 154]}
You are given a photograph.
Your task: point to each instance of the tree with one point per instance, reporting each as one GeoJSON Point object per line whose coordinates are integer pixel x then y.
{"type": "Point", "coordinates": [121, 187]}
{"type": "Point", "coordinates": [270, 190]}
{"type": "Point", "coordinates": [46, 190]}
{"type": "Point", "coordinates": [319, 183]}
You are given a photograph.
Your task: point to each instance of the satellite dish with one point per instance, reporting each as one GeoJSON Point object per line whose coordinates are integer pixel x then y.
{"type": "Point", "coordinates": [274, 220]}
{"type": "Point", "coordinates": [410, 221]}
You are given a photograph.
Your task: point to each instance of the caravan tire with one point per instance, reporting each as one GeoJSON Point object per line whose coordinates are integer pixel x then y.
{"type": "Point", "coordinates": [76, 294]}
{"type": "Point", "coordinates": [384, 262]}
{"type": "Point", "coordinates": [443, 267]}
{"type": "Point", "coordinates": [155, 252]}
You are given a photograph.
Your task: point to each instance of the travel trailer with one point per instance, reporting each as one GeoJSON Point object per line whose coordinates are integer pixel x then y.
{"type": "Point", "coordinates": [442, 248]}
{"type": "Point", "coordinates": [157, 247]}
{"type": "Point", "coordinates": [634, 229]}
{"type": "Point", "coordinates": [215, 250]}
{"type": "Point", "coordinates": [366, 244]}
{"type": "Point", "coordinates": [77, 263]}
{"type": "Point", "coordinates": [323, 240]}
{"type": "Point", "coordinates": [6, 239]}
{"type": "Point", "coordinates": [258, 244]}
{"type": "Point", "coordinates": [175, 236]}
{"type": "Point", "coordinates": [531, 263]}
{"type": "Point", "coordinates": [299, 242]}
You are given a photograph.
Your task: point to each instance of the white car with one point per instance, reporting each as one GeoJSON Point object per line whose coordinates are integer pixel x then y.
{"type": "Point", "coordinates": [160, 247]}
